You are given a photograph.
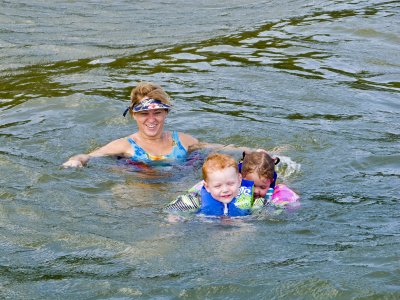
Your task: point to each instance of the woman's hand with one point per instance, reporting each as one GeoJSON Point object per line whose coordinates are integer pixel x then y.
{"type": "Point", "coordinates": [120, 147]}
{"type": "Point", "coordinates": [77, 161]}
{"type": "Point", "coordinates": [72, 164]}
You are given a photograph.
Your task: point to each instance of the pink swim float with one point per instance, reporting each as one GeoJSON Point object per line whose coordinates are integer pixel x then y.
{"type": "Point", "coordinates": [283, 196]}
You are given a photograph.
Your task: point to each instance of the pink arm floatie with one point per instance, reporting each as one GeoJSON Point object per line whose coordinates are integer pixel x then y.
{"type": "Point", "coordinates": [284, 196]}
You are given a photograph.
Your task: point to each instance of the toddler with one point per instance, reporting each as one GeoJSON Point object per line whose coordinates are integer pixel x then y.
{"type": "Point", "coordinates": [259, 167]}
{"type": "Point", "coordinates": [223, 192]}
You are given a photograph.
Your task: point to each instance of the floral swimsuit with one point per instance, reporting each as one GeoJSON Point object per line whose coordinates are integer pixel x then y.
{"type": "Point", "coordinates": [178, 152]}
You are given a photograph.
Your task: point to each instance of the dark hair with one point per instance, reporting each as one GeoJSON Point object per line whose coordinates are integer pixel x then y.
{"type": "Point", "coordinates": [259, 163]}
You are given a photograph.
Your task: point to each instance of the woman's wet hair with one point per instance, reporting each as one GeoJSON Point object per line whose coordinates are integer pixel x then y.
{"type": "Point", "coordinates": [150, 90]}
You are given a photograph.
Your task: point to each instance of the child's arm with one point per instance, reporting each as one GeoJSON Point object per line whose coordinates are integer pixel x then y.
{"type": "Point", "coordinates": [221, 147]}
{"type": "Point", "coordinates": [263, 201]}
{"type": "Point", "coordinates": [188, 202]}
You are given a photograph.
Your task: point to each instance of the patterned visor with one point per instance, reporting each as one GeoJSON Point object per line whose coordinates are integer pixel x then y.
{"type": "Point", "coordinates": [148, 104]}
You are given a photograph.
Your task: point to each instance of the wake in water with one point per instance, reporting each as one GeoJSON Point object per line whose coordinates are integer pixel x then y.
{"type": "Point", "coordinates": [287, 167]}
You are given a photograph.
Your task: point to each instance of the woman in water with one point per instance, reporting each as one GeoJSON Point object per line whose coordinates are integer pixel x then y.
{"type": "Point", "coordinates": [149, 107]}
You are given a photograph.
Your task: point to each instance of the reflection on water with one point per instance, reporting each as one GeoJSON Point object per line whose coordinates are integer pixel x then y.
{"type": "Point", "coordinates": [316, 83]}
{"type": "Point", "coordinates": [311, 46]}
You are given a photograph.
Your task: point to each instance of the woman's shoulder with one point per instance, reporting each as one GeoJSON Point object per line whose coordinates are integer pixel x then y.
{"type": "Point", "coordinates": [121, 145]}
{"type": "Point", "coordinates": [187, 140]}
{"type": "Point", "coordinates": [131, 136]}
{"type": "Point", "coordinates": [123, 141]}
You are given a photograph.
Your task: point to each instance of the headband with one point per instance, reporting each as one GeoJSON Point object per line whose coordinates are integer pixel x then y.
{"type": "Point", "coordinates": [147, 104]}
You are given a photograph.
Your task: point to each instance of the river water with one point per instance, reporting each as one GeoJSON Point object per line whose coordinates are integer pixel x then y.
{"type": "Point", "coordinates": [315, 82]}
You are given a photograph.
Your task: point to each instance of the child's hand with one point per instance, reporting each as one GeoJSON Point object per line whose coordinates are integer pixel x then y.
{"type": "Point", "coordinates": [262, 150]}
{"type": "Point", "coordinates": [248, 151]}
{"type": "Point", "coordinates": [174, 218]}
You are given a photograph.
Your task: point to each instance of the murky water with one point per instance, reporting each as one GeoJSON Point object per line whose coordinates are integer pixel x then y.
{"type": "Point", "coordinates": [316, 81]}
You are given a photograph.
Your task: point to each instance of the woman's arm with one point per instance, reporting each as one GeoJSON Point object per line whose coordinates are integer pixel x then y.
{"type": "Point", "coordinates": [118, 147]}
{"type": "Point", "coordinates": [187, 140]}
{"type": "Point", "coordinates": [193, 144]}
{"type": "Point", "coordinates": [220, 147]}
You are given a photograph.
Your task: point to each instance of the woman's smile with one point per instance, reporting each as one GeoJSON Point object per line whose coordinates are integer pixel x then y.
{"type": "Point", "coordinates": [151, 122]}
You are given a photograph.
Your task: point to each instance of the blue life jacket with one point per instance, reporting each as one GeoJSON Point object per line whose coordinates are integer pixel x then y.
{"type": "Point", "coordinates": [239, 206]}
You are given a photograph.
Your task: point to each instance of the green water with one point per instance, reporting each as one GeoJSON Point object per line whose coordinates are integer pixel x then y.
{"type": "Point", "coordinates": [317, 82]}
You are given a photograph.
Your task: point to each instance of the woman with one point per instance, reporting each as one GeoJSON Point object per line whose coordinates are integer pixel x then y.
{"type": "Point", "coordinates": [149, 107]}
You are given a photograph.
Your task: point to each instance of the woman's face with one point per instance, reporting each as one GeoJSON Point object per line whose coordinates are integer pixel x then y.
{"type": "Point", "coordinates": [151, 122]}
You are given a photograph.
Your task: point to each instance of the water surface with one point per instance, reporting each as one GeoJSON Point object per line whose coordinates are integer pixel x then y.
{"type": "Point", "coordinates": [317, 83]}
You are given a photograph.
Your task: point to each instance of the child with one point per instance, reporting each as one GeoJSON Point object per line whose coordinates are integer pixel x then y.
{"type": "Point", "coordinates": [223, 191]}
{"type": "Point", "coordinates": [258, 172]}
{"type": "Point", "coordinates": [259, 167]}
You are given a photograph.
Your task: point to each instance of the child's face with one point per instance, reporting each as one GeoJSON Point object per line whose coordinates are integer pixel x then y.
{"type": "Point", "coordinates": [223, 185]}
{"type": "Point", "coordinates": [261, 184]}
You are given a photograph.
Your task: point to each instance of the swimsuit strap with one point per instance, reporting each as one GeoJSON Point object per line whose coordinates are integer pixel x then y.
{"type": "Point", "coordinates": [175, 139]}
{"type": "Point", "coordinates": [178, 151]}
{"type": "Point", "coordinates": [130, 140]}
